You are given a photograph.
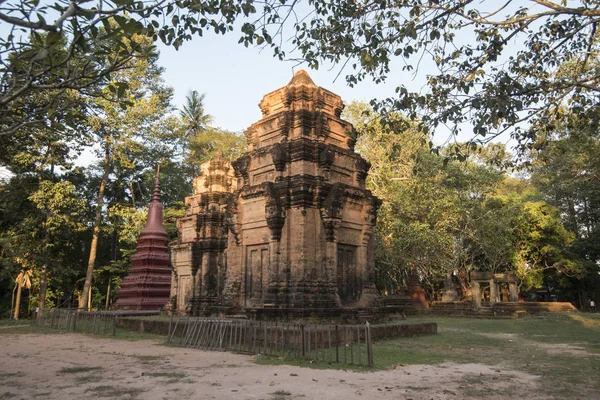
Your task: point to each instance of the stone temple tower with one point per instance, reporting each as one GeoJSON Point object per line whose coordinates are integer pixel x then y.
{"type": "Point", "coordinates": [287, 229]}
{"type": "Point", "coordinates": [301, 221]}
{"type": "Point", "coordinates": [198, 257]}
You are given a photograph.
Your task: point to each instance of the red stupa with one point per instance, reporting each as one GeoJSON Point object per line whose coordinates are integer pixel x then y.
{"type": "Point", "coordinates": [148, 284]}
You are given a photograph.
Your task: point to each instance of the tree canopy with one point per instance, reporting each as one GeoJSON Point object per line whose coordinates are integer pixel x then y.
{"type": "Point", "coordinates": [447, 217]}
{"type": "Point", "coordinates": [499, 67]}
{"type": "Point", "coordinates": [55, 47]}
{"type": "Point", "coordinates": [496, 65]}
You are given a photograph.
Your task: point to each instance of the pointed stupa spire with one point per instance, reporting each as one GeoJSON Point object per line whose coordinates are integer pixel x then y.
{"type": "Point", "coordinates": [148, 283]}
{"type": "Point", "coordinates": [156, 195]}
{"type": "Point", "coordinates": [301, 78]}
{"type": "Point", "coordinates": [154, 222]}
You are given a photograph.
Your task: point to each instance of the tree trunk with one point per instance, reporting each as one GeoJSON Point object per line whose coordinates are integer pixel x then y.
{"type": "Point", "coordinates": [572, 214]}
{"type": "Point", "coordinates": [18, 303]}
{"type": "Point", "coordinates": [588, 227]}
{"type": "Point", "coordinates": [463, 281]}
{"type": "Point", "coordinates": [12, 303]}
{"type": "Point", "coordinates": [132, 192]}
{"type": "Point", "coordinates": [83, 301]}
{"type": "Point", "coordinates": [44, 270]}
{"type": "Point", "coordinates": [115, 251]}
{"type": "Point", "coordinates": [108, 292]}
{"type": "Point", "coordinates": [43, 286]}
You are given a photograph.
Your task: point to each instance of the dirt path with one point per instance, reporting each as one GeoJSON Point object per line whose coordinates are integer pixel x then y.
{"type": "Point", "coordinates": [53, 367]}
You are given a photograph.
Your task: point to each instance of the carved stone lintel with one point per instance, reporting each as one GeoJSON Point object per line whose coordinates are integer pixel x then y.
{"type": "Point", "coordinates": [279, 155]}
{"type": "Point", "coordinates": [240, 166]}
{"type": "Point", "coordinates": [326, 157]}
{"type": "Point", "coordinates": [232, 219]}
{"type": "Point", "coordinates": [274, 212]}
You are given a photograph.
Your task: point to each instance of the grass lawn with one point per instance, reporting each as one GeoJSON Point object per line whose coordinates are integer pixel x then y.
{"type": "Point", "coordinates": [122, 334]}
{"type": "Point", "coordinates": [563, 349]}
{"type": "Point", "coordinates": [12, 322]}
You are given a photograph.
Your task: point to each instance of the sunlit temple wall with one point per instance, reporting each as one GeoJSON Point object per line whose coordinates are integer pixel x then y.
{"type": "Point", "coordinates": [288, 225]}
{"type": "Point", "coordinates": [301, 222]}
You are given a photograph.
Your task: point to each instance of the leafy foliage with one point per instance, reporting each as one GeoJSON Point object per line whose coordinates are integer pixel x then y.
{"type": "Point", "coordinates": [444, 216]}
{"type": "Point", "coordinates": [496, 65]}
{"type": "Point", "coordinates": [215, 141]}
{"type": "Point", "coordinates": [97, 40]}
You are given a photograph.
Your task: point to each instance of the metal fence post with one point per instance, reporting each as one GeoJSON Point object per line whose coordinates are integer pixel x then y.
{"type": "Point", "coordinates": [369, 345]}
{"type": "Point", "coordinates": [337, 344]}
{"type": "Point", "coordinates": [302, 334]}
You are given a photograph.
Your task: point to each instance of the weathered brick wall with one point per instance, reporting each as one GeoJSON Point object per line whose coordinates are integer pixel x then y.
{"type": "Point", "coordinates": [499, 309]}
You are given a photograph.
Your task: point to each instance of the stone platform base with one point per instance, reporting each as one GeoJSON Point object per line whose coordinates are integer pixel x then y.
{"type": "Point", "coordinates": [378, 332]}
{"type": "Point", "coordinates": [498, 310]}
{"type": "Point", "coordinates": [338, 315]}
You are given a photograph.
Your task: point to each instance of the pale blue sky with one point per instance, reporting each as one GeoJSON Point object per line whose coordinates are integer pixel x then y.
{"type": "Point", "coordinates": [235, 78]}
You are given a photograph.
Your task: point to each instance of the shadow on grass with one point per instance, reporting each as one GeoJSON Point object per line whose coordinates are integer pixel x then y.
{"type": "Point", "coordinates": [561, 349]}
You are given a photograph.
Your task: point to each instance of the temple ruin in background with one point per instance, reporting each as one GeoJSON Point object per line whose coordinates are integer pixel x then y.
{"type": "Point", "coordinates": [287, 228]}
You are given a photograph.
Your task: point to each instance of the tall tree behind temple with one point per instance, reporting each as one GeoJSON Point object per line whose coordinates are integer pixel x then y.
{"type": "Point", "coordinates": [193, 115]}
{"type": "Point", "coordinates": [44, 145]}
{"type": "Point", "coordinates": [416, 221]}
{"type": "Point", "coordinates": [566, 168]}
{"type": "Point", "coordinates": [215, 141]}
{"type": "Point", "coordinates": [442, 216]}
{"type": "Point", "coordinates": [131, 139]}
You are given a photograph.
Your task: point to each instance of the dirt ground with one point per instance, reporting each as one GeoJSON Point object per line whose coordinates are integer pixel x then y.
{"type": "Point", "coordinates": [70, 366]}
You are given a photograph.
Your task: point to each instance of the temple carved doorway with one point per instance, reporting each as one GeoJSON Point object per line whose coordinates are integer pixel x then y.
{"type": "Point", "coordinates": [257, 261]}
{"type": "Point", "coordinates": [184, 292]}
{"type": "Point", "coordinates": [346, 273]}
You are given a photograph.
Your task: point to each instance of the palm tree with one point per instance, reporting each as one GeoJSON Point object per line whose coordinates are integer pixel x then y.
{"type": "Point", "coordinates": [23, 281]}
{"type": "Point", "coordinates": [196, 121]}
{"type": "Point", "coordinates": [194, 118]}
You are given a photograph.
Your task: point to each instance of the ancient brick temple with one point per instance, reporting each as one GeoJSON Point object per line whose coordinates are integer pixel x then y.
{"type": "Point", "coordinates": [300, 221]}
{"type": "Point", "coordinates": [147, 285]}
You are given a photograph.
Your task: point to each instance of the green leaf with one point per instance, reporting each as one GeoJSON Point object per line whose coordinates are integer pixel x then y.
{"type": "Point", "coordinates": [53, 37]}
{"type": "Point", "coordinates": [40, 55]}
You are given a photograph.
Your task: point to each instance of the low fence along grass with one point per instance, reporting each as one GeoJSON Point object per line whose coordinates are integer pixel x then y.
{"type": "Point", "coordinates": [346, 344]}
{"type": "Point", "coordinates": [342, 344]}
{"type": "Point", "coordinates": [98, 323]}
